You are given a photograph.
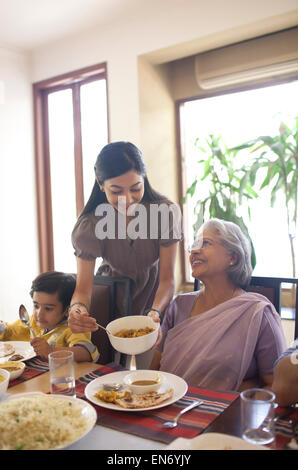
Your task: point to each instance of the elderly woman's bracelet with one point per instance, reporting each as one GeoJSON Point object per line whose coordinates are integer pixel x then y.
{"type": "Point", "coordinates": [152, 310]}
{"type": "Point", "coordinates": [77, 303]}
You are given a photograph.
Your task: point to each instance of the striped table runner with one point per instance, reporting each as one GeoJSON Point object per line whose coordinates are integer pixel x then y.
{"type": "Point", "coordinates": [283, 427]}
{"type": "Point", "coordinates": [34, 367]}
{"type": "Point", "coordinates": [145, 423]}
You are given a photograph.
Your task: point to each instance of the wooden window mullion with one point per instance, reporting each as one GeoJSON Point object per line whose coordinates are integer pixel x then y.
{"type": "Point", "coordinates": [43, 182]}
{"type": "Point", "coordinates": [48, 193]}
{"type": "Point", "coordinates": [78, 158]}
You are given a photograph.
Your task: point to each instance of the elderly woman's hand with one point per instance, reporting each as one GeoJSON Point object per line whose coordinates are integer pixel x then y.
{"type": "Point", "coordinates": [79, 320]}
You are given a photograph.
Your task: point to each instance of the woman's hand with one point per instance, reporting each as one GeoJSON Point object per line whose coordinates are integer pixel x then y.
{"type": "Point", "coordinates": [41, 347]}
{"type": "Point", "coordinates": [79, 320]}
{"type": "Point", "coordinates": [155, 317]}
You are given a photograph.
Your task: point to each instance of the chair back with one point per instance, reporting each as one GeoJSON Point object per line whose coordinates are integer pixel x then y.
{"type": "Point", "coordinates": [271, 287]}
{"type": "Point", "coordinates": [100, 308]}
{"type": "Point", "coordinates": [111, 298]}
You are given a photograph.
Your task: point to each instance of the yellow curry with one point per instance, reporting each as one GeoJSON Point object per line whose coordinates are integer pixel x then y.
{"type": "Point", "coordinates": [132, 333]}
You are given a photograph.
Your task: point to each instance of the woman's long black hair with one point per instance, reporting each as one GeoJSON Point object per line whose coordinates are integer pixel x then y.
{"type": "Point", "coordinates": [114, 160]}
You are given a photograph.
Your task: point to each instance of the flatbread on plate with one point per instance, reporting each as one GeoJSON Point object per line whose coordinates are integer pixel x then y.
{"type": "Point", "coordinates": [6, 349]}
{"type": "Point", "coordinates": [145, 400]}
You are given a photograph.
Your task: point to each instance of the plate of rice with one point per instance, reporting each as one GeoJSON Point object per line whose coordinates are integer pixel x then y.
{"type": "Point", "coordinates": [38, 421]}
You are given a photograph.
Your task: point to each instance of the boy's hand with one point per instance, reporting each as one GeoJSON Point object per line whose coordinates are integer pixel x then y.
{"type": "Point", "coordinates": [41, 347]}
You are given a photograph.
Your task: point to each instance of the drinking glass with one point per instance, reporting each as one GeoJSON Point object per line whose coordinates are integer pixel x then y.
{"type": "Point", "coordinates": [62, 377]}
{"type": "Point", "coordinates": [257, 413]}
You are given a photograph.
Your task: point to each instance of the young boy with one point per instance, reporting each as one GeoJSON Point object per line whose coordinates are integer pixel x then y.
{"type": "Point", "coordinates": [51, 293]}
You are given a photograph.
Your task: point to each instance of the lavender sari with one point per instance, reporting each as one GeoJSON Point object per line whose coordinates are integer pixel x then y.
{"type": "Point", "coordinates": [215, 349]}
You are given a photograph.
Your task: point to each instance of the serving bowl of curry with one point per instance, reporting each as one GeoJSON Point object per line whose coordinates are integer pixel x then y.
{"type": "Point", "coordinates": [133, 334]}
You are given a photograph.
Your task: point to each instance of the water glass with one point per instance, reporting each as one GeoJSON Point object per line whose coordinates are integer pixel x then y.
{"type": "Point", "coordinates": [257, 414]}
{"type": "Point", "coordinates": [62, 377]}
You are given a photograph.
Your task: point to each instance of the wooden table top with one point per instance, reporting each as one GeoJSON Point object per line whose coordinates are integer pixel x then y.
{"type": "Point", "coordinates": [228, 422]}
{"type": "Point", "coordinates": [41, 383]}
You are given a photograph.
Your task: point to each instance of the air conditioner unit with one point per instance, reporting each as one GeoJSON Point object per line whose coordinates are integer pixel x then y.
{"type": "Point", "coordinates": [243, 76]}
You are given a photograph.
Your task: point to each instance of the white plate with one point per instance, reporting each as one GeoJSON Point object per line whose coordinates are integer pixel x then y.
{"type": "Point", "coordinates": [213, 441]}
{"type": "Point", "coordinates": [87, 410]}
{"type": "Point", "coordinates": [169, 381]}
{"type": "Point", "coordinates": [23, 348]}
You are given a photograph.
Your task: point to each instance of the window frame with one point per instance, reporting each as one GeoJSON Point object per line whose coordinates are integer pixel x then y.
{"type": "Point", "coordinates": [182, 186]}
{"type": "Point", "coordinates": [41, 90]}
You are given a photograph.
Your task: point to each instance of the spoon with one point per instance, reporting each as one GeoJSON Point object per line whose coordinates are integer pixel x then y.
{"type": "Point", "coordinates": [110, 387]}
{"type": "Point", "coordinates": [174, 422]}
{"type": "Point", "coordinates": [97, 324]}
{"type": "Point", "coordinates": [102, 327]}
{"type": "Point", "coordinates": [24, 317]}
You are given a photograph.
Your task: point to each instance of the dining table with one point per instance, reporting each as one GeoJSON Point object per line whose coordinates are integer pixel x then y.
{"type": "Point", "coordinates": [99, 438]}
{"type": "Point", "coordinates": [105, 437]}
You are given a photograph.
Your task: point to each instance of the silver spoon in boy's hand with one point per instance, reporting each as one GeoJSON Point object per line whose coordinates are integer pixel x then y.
{"type": "Point", "coordinates": [24, 317]}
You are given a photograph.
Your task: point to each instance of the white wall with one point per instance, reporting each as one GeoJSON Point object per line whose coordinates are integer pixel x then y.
{"type": "Point", "coordinates": [18, 237]}
{"type": "Point", "coordinates": [162, 29]}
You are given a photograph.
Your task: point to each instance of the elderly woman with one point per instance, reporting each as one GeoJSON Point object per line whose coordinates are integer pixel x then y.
{"type": "Point", "coordinates": [221, 336]}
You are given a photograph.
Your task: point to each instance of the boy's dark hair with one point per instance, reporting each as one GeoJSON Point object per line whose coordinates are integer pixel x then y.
{"type": "Point", "coordinates": [54, 281]}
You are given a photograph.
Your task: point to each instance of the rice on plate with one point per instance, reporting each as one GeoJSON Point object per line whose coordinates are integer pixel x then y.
{"type": "Point", "coordinates": [40, 422]}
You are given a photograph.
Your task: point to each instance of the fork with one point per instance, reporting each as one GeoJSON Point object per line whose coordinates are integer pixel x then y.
{"type": "Point", "coordinates": [293, 444]}
{"type": "Point", "coordinates": [173, 423]}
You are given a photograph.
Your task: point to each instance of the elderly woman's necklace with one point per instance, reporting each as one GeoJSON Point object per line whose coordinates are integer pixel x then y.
{"type": "Point", "coordinates": [237, 291]}
{"type": "Point", "coordinates": [202, 304]}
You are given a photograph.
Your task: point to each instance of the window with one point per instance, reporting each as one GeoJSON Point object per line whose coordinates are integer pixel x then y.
{"type": "Point", "coordinates": [239, 117]}
{"type": "Point", "coordinates": [71, 126]}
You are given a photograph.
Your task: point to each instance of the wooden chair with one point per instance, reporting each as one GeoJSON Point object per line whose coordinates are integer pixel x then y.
{"type": "Point", "coordinates": [111, 298]}
{"type": "Point", "coordinates": [271, 288]}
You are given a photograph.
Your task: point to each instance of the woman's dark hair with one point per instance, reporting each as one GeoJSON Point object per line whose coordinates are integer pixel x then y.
{"type": "Point", "coordinates": [54, 281]}
{"type": "Point", "coordinates": [114, 160]}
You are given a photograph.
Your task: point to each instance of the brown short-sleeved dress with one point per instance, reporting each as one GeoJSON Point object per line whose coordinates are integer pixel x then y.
{"type": "Point", "coordinates": [136, 259]}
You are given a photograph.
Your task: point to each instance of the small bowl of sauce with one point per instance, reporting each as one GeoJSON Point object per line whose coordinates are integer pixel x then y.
{"type": "Point", "coordinates": [14, 368]}
{"type": "Point", "coordinates": [143, 381]}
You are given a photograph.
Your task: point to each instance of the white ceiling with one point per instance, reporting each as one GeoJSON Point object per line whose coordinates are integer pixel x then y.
{"type": "Point", "coordinates": [27, 24]}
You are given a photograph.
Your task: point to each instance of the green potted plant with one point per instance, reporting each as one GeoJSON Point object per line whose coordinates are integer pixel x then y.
{"type": "Point", "coordinates": [228, 182]}
{"type": "Point", "coordinates": [279, 156]}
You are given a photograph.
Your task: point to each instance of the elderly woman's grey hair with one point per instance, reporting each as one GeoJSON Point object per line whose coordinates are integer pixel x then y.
{"type": "Point", "coordinates": [234, 240]}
